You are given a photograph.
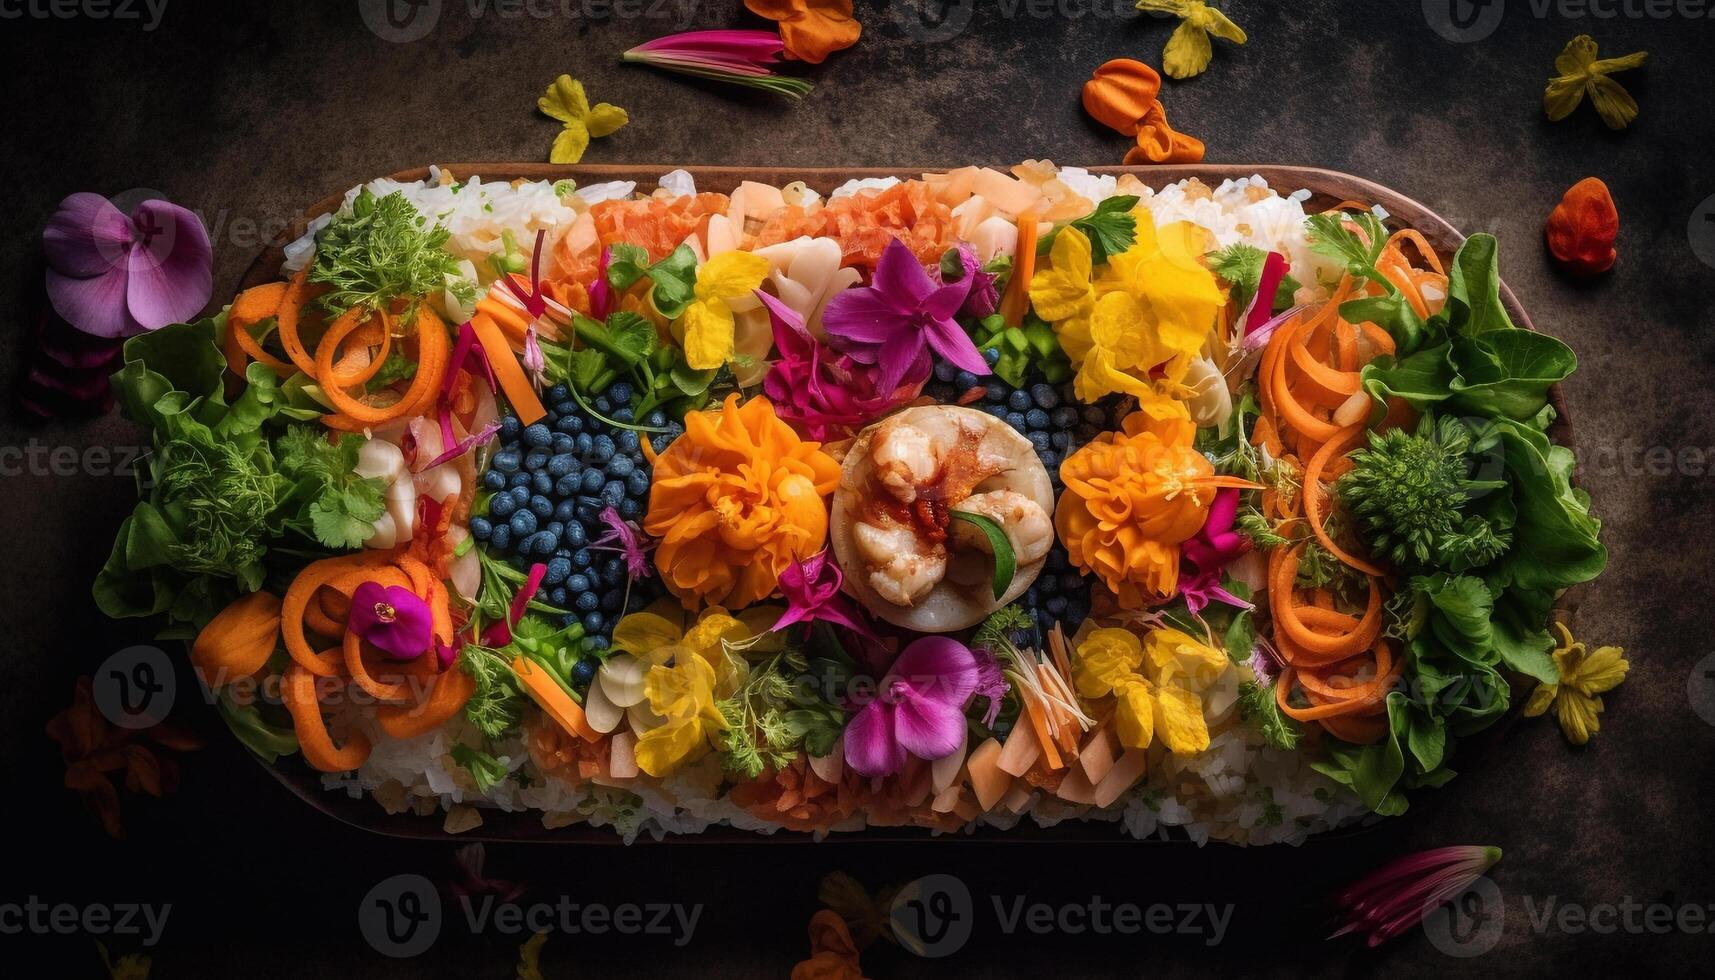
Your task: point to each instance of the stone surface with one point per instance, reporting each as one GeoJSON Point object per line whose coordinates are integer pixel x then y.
{"type": "Point", "coordinates": [246, 112]}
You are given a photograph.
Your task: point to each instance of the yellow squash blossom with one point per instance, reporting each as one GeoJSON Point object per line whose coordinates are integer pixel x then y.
{"type": "Point", "coordinates": [708, 322]}
{"type": "Point", "coordinates": [1132, 498]}
{"type": "Point", "coordinates": [1189, 50]}
{"type": "Point", "coordinates": [1584, 676]}
{"type": "Point", "coordinates": [1157, 684]}
{"type": "Point", "coordinates": [1136, 327]}
{"type": "Point", "coordinates": [565, 101]}
{"type": "Point", "coordinates": [1580, 72]}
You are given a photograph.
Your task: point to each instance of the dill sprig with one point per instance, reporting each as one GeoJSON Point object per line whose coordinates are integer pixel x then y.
{"type": "Point", "coordinates": [383, 251]}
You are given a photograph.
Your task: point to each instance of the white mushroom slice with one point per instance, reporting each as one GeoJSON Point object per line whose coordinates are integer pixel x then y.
{"type": "Point", "coordinates": [603, 715]}
{"type": "Point", "coordinates": [621, 679]}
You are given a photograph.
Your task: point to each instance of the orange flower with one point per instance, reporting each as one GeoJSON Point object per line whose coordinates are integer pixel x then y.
{"type": "Point", "coordinates": [735, 500]}
{"type": "Point", "coordinates": [1157, 142]}
{"type": "Point", "coordinates": [1132, 498]}
{"type": "Point", "coordinates": [833, 954]}
{"type": "Point", "coordinates": [1121, 93]}
{"type": "Point", "coordinates": [811, 29]}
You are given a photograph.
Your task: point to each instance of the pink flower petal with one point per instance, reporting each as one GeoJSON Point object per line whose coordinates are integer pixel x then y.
{"type": "Point", "coordinates": [747, 45]}
{"type": "Point", "coordinates": [171, 266]}
{"type": "Point", "coordinates": [393, 619]}
{"type": "Point", "coordinates": [864, 316]}
{"type": "Point", "coordinates": [87, 237]}
{"type": "Point", "coordinates": [871, 748]}
{"type": "Point", "coordinates": [95, 305]}
{"type": "Point", "coordinates": [928, 728]}
{"type": "Point", "coordinates": [954, 345]}
{"type": "Point", "coordinates": [900, 278]}
{"type": "Point", "coordinates": [939, 668]}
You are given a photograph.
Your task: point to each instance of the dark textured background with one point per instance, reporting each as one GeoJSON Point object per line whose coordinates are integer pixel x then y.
{"type": "Point", "coordinates": [246, 113]}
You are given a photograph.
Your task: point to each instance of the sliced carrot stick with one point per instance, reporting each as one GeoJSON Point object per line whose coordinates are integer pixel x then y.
{"type": "Point", "coordinates": [507, 370]}
{"type": "Point", "coordinates": [553, 701]}
{"type": "Point", "coordinates": [1039, 725]}
{"type": "Point", "coordinates": [1017, 298]}
{"type": "Point", "coordinates": [287, 320]}
{"type": "Point", "coordinates": [252, 306]}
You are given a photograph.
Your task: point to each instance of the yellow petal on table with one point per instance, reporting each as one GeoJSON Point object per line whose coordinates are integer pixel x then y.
{"type": "Point", "coordinates": [565, 100]}
{"type": "Point", "coordinates": [605, 118]}
{"type": "Point", "coordinates": [570, 145]}
{"type": "Point", "coordinates": [1613, 103]}
{"type": "Point", "coordinates": [1188, 52]}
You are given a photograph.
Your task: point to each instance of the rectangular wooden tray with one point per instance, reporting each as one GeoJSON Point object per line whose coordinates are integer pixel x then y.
{"type": "Point", "coordinates": [1327, 188]}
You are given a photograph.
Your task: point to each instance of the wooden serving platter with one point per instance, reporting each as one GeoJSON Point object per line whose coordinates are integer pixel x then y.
{"type": "Point", "coordinates": [1327, 188]}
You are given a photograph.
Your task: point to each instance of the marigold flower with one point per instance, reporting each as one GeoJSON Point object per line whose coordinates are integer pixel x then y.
{"type": "Point", "coordinates": [1132, 498]}
{"type": "Point", "coordinates": [735, 500]}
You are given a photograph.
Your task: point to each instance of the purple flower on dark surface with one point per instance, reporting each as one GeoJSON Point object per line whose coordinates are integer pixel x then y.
{"type": "Point", "coordinates": [900, 318]}
{"type": "Point", "coordinates": [117, 275]}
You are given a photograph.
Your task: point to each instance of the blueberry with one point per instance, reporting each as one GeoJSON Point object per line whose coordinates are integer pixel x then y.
{"type": "Point", "coordinates": [506, 461]}
{"type": "Point", "coordinates": [591, 481]}
{"type": "Point", "coordinates": [586, 602]}
{"type": "Point", "coordinates": [964, 381]}
{"type": "Point", "coordinates": [1095, 416]}
{"type": "Point", "coordinates": [542, 507]}
{"type": "Point", "coordinates": [542, 483]}
{"type": "Point", "coordinates": [537, 436]}
{"type": "Point", "coordinates": [520, 493]}
{"type": "Point", "coordinates": [589, 511]}
{"type": "Point", "coordinates": [510, 428]}
{"type": "Point", "coordinates": [559, 393]}
{"type": "Point", "coordinates": [602, 448]}
{"type": "Point", "coordinates": [997, 410]}
{"type": "Point", "coordinates": [627, 441]}
{"type": "Point", "coordinates": [1076, 612]}
{"type": "Point", "coordinates": [522, 478]}
{"type": "Point", "coordinates": [945, 371]}
{"type": "Point", "coordinates": [572, 424]}
{"type": "Point", "coordinates": [1018, 401]}
{"type": "Point", "coordinates": [997, 393]}
{"type": "Point", "coordinates": [603, 405]}
{"type": "Point", "coordinates": [940, 391]}
{"type": "Point", "coordinates": [595, 643]}
{"type": "Point", "coordinates": [557, 597]}
{"type": "Point", "coordinates": [523, 523]}
{"type": "Point", "coordinates": [577, 581]}
{"type": "Point", "coordinates": [480, 528]}
{"type": "Point", "coordinates": [566, 512]}
{"type": "Point", "coordinates": [619, 467]}
{"type": "Point", "coordinates": [1039, 440]}
{"type": "Point", "coordinates": [612, 493]}
{"type": "Point", "coordinates": [494, 480]}
{"type": "Point", "coordinates": [583, 442]}
{"type": "Point", "coordinates": [612, 600]}
{"type": "Point", "coordinates": [1050, 461]}
{"type": "Point", "coordinates": [613, 569]}
{"type": "Point", "coordinates": [1071, 582]}
{"type": "Point", "coordinates": [1043, 395]}
{"type": "Point", "coordinates": [584, 671]}
{"type": "Point", "coordinates": [1064, 417]}
{"type": "Point", "coordinates": [991, 355]}
{"type": "Point", "coordinates": [535, 459]}
{"type": "Point", "coordinates": [623, 414]}
{"type": "Point", "coordinates": [1060, 439]}
{"type": "Point", "coordinates": [568, 485]}
{"type": "Point", "coordinates": [1036, 418]}
{"type": "Point", "coordinates": [581, 558]}
{"type": "Point", "coordinates": [502, 505]}
{"type": "Point", "coordinates": [575, 536]}
{"type": "Point", "coordinates": [1056, 606]}
{"type": "Point", "coordinates": [594, 622]}
{"type": "Point", "coordinates": [1047, 585]}
{"type": "Point", "coordinates": [563, 443]}
{"type": "Point", "coordinates": [619, 393]}
{"type": "Point", "coordinates": [546, 543]}
{"type": "Point", "coordinates": [1016, 420]}
{"type": "Point", "coordinates": [1032, 598]}
{"type": "Point", "coordinates": [655, 419]}
{"type": "Point", "coordinates": [562, 464]}
{"type": "Point", "coordinates": [501, 538]}
{"type": "Point", "coordinates": [556, 528]}
{"type": "Point", "coordinates": [630, 509]}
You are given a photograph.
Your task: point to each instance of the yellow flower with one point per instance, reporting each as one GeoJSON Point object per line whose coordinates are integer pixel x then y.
{"type": "Point", "coordinates": [565, 101]}
{"type": "Point", "coordinates": [1157, 684]}
{"type": "Point", "coordinates": [1583, 676]}
{"type": "Point", "coordinates": [1188, 50]}
{"type": "Point", "coordinates": [1581, 72]}
{"type": "Point", "coordinates": [684, 696]}
{"type": "Point", "coordinates": [708, 321]}
{"type": "Point", "coordinates": [1135, 328]}
{"type": "Point", "coordinates": [530, 957]}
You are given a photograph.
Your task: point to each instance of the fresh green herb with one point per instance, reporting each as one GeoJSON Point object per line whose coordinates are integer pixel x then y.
{"type": "Point", "coordinates": [1005, 563]}
{"type": "Point", "coordinates": [483, 767]}
{"type": "Point", "coordinates": [1257, 703]}
{"type": "Point", "coordinates": [342, 506]}
{"type": "Point", "coordinates": [384, 250]}
{"type": "Point", "coordinates": [270, 742]}
{"type": "Point", "coordinates": [397, 367]}
{"type": "Point", "coordinates": [495, 706]}
{"type": "Point", "coordinates": [1110, 227]}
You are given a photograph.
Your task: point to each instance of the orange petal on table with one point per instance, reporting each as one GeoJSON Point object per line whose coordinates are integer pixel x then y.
{"type": "Point", "coordinates": [1157, 142]}
{"type": "Point", "coordinates": [811, 29]}
{"type": "Point", "coordinates": [1120, 93]}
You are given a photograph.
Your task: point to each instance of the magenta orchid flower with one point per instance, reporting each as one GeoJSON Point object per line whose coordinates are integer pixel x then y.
{"type": "Point", "coordinates": [812, 591]}
{"type": "Point", "coordinates": [393, 619]}
{"type": "Point", "coordinates": [918, 710]}
{"type": "Point", "coordinates": [114, 275]}
{"type": "Point", "coordinates": [900, 317]}
{"type": "Point", "coordinates": [1212, 549]}
{"type": "Point", "coordinates": [1399, 895]}
{"type": "Point", "coordinates": [629, 540]}
{"type": "Point", "coordinates": [984, 299]}
{"type": "Point", "coordinates": [602, 299]}
{"type": "Point", "coordinates": [825, 393]}
{"type": "Point", "coordinates": [739, 57]}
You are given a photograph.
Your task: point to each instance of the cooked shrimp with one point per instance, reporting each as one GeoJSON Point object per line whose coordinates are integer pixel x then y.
{"type": "Point", "coordinates": [902, 567]}
{"type": "Point", "coordinates": [1027, 526]}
